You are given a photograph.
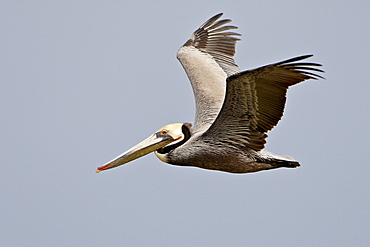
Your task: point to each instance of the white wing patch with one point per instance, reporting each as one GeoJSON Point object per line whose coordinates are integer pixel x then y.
{"type": "Point", "coordinates": [207, 58]}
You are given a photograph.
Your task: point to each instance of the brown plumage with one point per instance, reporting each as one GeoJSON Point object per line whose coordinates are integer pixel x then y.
{"type": "Point", "coordinates": [234, 109]}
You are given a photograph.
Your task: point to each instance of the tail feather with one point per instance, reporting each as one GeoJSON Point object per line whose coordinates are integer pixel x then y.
{"type": "Point", "coordinates": [286, 163]}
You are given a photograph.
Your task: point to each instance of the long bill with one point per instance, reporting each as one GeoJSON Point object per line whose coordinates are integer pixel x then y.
{"type": "Point", "coordinates": [147, 146]}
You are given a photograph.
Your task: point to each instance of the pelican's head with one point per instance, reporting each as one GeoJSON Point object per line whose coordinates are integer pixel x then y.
{"type": "Point", "coordinates": [162, 142]}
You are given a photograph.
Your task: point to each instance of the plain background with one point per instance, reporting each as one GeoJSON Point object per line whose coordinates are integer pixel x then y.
{"type": "Point", "coordinates": [82, 81]}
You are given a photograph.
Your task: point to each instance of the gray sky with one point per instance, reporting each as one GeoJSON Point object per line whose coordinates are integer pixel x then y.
{"type": "Point", "coordinates": [83, 82]}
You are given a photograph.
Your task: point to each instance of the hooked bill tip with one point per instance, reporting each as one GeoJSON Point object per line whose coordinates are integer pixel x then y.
{"type": "Point", "coordinates": [101, 168]}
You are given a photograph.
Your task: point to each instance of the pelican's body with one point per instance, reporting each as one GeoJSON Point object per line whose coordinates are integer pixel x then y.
{"type": "Point", "coordinates": [231, 159]}
{"type": "Point", "coordinates": [234, 109]}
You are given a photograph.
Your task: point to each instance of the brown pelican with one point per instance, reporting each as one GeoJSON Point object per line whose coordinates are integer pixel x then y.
{"type": "Point", "coordinates": [234, 109]}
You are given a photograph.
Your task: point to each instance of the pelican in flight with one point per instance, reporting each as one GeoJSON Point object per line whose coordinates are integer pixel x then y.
{"type": "Point", "coordinates": [234, 108]}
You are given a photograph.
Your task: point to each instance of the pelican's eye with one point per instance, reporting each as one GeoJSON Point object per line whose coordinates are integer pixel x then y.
{"type": "Point", "coordinates": [164, 132]}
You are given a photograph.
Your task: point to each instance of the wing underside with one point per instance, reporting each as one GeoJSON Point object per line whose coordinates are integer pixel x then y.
{"type": "Point", "coordinates": [207, 58]}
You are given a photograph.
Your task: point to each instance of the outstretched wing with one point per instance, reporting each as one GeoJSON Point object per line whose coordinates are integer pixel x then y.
{"type": "Point", "coordinates": [255, 101]}
{"type": "Point", "coordinates": [207, 58]}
